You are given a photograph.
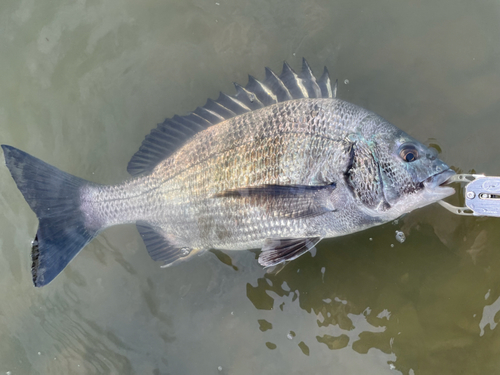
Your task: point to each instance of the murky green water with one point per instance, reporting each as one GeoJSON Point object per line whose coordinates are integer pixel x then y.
{"type": "Point", "coordinates": [81, 84]}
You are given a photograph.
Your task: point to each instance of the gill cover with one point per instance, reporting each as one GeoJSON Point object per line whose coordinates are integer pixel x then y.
{"type": "Point", "coordinates": [363, 176]}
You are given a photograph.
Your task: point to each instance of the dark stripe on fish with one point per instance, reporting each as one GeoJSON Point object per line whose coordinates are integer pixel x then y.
{"type": "Point", "coordinates": [295, 201]}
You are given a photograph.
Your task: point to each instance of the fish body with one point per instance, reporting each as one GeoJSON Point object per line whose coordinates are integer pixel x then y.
{"type": "Point", "coordinates": [279, 166]}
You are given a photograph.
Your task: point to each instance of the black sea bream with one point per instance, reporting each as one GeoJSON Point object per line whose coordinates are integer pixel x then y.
{"type": "Point", "coordinates": [279, 166]}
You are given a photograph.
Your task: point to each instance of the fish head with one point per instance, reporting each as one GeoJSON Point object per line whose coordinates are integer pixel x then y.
{"type": "Point", "coordinates": [405, 174]}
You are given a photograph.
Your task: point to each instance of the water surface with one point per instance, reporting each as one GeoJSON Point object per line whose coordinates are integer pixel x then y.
{"type": "Point", "coordinates": [83, 82]}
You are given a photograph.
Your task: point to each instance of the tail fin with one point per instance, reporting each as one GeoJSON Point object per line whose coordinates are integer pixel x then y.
{"type": "Point", "coordinates": [54, 196]}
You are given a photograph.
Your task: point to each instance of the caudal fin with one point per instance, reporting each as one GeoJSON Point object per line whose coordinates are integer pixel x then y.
{"type": "Point", "coordinates": [54, 196]}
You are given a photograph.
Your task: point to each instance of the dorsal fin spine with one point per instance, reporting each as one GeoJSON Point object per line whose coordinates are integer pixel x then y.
{"type": "Point", "coordinates": [232, 104]}
{"type": "Point", "coordinates": [309, 80]}
{"type": "Point", "coordinates": [200, 120]}
{"type": "Point", "coordinates": [277, 86]}
{"type": "Point", "coordinates": [218, 108]}
{"type": "Point", "coordinates": [210, 116]}
{"type": "Point", "coordinates": [168, 131]}
{"type": "Point", "coordinates": [293, 82]}
{"type": "Point", "coordinates": [263, 93]}
{"type": "Point", "coordinates": [325, 85]}
{"type": "Point", "coordinates": [334, 90]}
{"type": "Point", "coordinates": [247, 97]}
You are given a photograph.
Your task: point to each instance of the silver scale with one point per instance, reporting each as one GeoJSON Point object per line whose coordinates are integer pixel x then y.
{"type": "Point", "coordinates": [482, 195]}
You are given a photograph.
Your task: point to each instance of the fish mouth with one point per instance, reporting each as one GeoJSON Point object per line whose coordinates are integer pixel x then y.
{"type": "Point", "coordinates": [439, 179]}
{"type": "Point", "coordinates": [435, 184]}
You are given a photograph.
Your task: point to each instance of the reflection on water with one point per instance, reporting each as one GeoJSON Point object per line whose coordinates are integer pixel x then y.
{"type": "Point", "coordinates": [419, 303]}
{"type": "Point", "coordinates": [83, 81]}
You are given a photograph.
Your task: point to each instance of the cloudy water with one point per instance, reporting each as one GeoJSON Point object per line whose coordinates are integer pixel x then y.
{"type": "Point", "coordinates": [82, 83]}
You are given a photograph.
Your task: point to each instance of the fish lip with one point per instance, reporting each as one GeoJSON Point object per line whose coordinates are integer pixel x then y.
{"type": "Point", "coordinates": [439, 179]}
{"type": "Point", "coordinates": [435, 187]}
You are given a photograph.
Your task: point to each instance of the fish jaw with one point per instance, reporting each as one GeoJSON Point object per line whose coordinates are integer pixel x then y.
{"type": "Point", "coordinates": [433, 186]}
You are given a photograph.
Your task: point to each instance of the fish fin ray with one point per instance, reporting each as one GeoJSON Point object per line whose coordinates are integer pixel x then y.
{"type": "Point", "coordinates": [293, 82]}
{"type": "Point", "coordinates": [160, 247]}
{"type": "Point", "coordinates": [218, 108]}
{"type": "Point", "coordinates": [279, 250]}
{"type": "Point", "coordinates": [232, 104]}
{"type": "Point", "coordinates": [334, 89]}
{"type": "Point", "coordinates": [212, 117]}
{"type": "Point", "coordinates": [188, 123]}
{"type": "Point", "coordinates": [290, 201]}
{"type": "Point", "coordinates": [326, 85]}
{"type": "Point", "coordinates": [309, 81]}
{"type": "Point", "coordinates": [160, 143]}
{"type": "Point", "coordinates": [263, 93]}
{"type": "Point", "coordinates": [203, 123]}
{"type": "Point", "coordinates": [247, 97]}
{"type": "Point", "coordinates": [172, 134]}
{"type": "Point", "coordinates": [277, 86]}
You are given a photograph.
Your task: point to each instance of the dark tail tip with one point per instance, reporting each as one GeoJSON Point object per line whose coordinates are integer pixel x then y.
{"type": "Point", "coordinates": [54, 196]}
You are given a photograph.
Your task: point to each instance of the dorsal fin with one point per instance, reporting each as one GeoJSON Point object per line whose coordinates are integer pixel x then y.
{"type": "Point", "coordinates": [173, 133]}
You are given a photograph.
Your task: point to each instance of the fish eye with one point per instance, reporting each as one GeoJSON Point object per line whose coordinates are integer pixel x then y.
{"type": "Point", "coordinates": [408, 153]}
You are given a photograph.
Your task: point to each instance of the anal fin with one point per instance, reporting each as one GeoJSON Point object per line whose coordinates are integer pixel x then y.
{"type": "Point", "coordinates": [279, 250]}
{"type": "Point", "coordinates": [160, 247]}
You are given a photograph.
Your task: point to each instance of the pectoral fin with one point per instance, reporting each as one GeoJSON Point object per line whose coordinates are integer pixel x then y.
{"type": "Point", "coordinates": [291, 201]}
{"type": "Point", "coordinates": [278, 250]}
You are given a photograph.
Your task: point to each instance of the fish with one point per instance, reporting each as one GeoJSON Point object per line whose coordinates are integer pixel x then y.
{"type": "Point", "coordinates": [279, 166]}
